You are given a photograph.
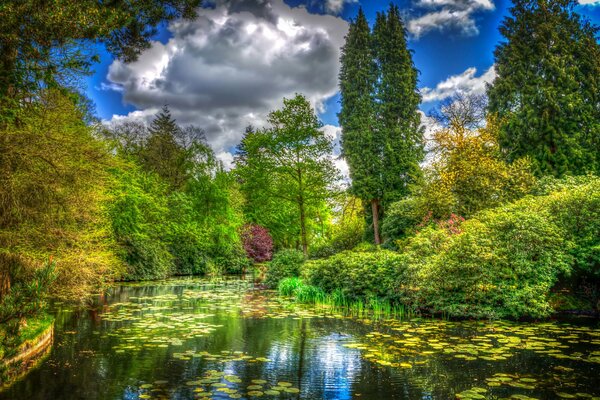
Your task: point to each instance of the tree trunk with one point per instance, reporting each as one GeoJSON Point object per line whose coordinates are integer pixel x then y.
{"type": "Point", "coordinates": [375, 212]}
{"type": "Point", "coordinates": [4, 281]}
{"type": "Point", "coordinates": [303, 229]}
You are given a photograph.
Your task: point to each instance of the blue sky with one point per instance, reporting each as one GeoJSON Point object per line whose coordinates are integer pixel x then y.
{"type": "Point", "coordinates": [452, 40]}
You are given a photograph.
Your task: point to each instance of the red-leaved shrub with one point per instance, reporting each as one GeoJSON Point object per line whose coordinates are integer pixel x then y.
{"type": "Point", "coordinates": [257, 242]}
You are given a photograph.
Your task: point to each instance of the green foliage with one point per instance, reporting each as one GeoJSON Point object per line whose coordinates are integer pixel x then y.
{"type": "Point", "coordinates": [288, 286]}
{"type": "Point", "coordinates": [358, 274]}
{"type": "Point", "coordinates": [285, 264]}
{"type": "Point", "coordinates": [346, 228]}
{"type": "Point", "coordinates": [289, 162]}
{"type": "Point", "coordinates": [47, 44]}
{"type": "Point", "coordinates": [468, 173]}
{"type": "Point", "coordinates": [401, 220]}
{"type": "Point", "coordinates": [381, 138]}
{"type": "Point", "coordinates": [162, 154]}
{"type": "Point", "coordinates": [546, 90]}
{"type": "Point", "coordinates": [503, 264]}
{"type": "Point", "coordinates": [138, 212]}
{"type": "Point", "coordinates": [505, 261]}
{"type": "Point", "coordinates": [53, 194]}
{"type": "Point", "coordinates": [27, 297]}
{"type": "Point", "coordinates": [576, 210]}
{"type": "Point", "coordinates": [397, 106]}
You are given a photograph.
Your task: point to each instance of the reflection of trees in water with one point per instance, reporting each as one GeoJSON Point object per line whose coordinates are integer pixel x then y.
{"type": "Point", "coordinates": [309, 353]}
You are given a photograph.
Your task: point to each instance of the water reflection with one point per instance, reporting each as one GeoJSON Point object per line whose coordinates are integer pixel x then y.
{"type": "Point", "coordinates": [189, 339]}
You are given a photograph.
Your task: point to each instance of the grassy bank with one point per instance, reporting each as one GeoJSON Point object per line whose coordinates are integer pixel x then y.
{"type": "Point", "coordinates": [337, 303]}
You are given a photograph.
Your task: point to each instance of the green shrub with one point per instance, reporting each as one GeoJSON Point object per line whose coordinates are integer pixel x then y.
{"type": "Point", "coordinates": [502, 264]}
{"type": "Point", "coordinates": [285, 263]}
{"type": "Point", "coordinates": [400, 221]}
{"type": "Point", "coordinates": [189, 251]}
{"type": "Point", "coordinates": [576, 210]}
{"type": "Point", "coordinates": [309, 294]}
{"type": "Point", "coordinates": [358, 274]}
{"type": "Point", "coordinates": [145, 258]}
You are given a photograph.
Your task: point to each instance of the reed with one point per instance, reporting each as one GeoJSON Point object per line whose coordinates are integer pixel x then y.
{"type": "Point", "coordinates": [337, 302]}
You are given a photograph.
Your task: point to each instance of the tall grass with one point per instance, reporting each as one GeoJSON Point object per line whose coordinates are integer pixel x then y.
{"type": "Point", "coordinates": [337, 302]}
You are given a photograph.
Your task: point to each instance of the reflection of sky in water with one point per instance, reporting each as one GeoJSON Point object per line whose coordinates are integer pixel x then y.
{"type": "Point", "coordinates": [325, 368]}
{"type": "Point", "coordinates": [338, 365]}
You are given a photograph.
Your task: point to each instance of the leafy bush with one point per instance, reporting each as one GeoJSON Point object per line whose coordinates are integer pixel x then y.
{"type": "Point", "coordinates": [358, 274]}
{"type": "Point", "coordinates": [286, 263]}
{"type": "Point", "coordinates": [257, 242]}
{"type": "Point", "coordinates": [502, 264]}
{"type": "Point", "coordinates": [27, 297]}
{"type": "Point", "coordinates": [400, 221]}
{"type": "Point", "coordinates": [145, 258]}
{"type": "Point", "coordinates": [187, 245]}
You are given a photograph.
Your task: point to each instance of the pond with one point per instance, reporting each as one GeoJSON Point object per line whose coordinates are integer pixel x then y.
{"type": "Point", "coordinates": [224, 339]}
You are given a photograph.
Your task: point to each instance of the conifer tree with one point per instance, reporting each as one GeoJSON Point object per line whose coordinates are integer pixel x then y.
{"type": "Point", "coordinates": [381, 138]}
{"type": "Point", "coordinates": [397, 105]}
{"type": "Point", "coordinates": [548, 87]}
{"type": "Point", "coordinates": [360, 144]}
{"type": "Point", "coordinates": [162, 154]}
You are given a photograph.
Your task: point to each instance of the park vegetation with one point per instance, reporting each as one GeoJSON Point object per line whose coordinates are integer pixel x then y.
{"type": "Point", "coordinates": [497, 215]}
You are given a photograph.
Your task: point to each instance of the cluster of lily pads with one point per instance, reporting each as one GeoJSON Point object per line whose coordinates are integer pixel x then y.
{"type": "Point", "coordinates": [405, 344]}
{"type": "Point", "coordinates": [218, 384]}
{"type": "Point", "coordinates": [170, 320]}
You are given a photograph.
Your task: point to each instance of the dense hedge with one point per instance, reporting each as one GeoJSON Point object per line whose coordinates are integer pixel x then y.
{"type": "Point", "coordinates": [503, 264]}
{"type": "Point", "coordinates": [358, 273]}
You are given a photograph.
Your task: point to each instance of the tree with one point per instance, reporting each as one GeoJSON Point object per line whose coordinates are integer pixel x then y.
{"type": "Point", "coordinates": [293, 156]}
{"type": "Point", "coordinates": [162, 154]}
{"type": "Point", "coordinates": [44, 43]}
{"type": "Point", "coordinates": [53, 181]}
{"type": "Point", "coordinates": [256, 183]}
{"type": "Point", "coordinates": [397, 105]}
{"type": "Point", "coordinates": [468, 168]}
{"type": "Point", "coordinates": [547, 88]}
{"type": "Point", "coordinates": [361, 145]}
{"type": "Point", "coordinates": [381, 138]}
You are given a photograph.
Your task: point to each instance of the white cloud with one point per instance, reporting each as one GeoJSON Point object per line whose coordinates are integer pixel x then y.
{"type": "Point", "coordinates": [465, 83]}
{"type": "Point", "coordinates": [444, 15]}
{"type": "Point", "coordinates": [337, 6]}
{"type": "Point", "coordinates": [226, 158]}
{"type": "Point", "coordinates": [334, 133]}
{"type": "Point", "coordinates": [232, 65]}
{"type": "Point", "coordinates": [589, 2]}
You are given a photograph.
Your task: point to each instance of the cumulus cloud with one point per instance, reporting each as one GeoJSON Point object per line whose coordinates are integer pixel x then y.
{"type": "Point", "coordinates": [232, 65]}
{"type": "Point", "coordinates": [465, 83]}
{"type": "Point", "coordinates": [446, 15]}
{"type": "Point", "coordinates": [334, 133]}
{"type": "Point", "coordinates": [336, 6]}
{"type": "Point", "coordinates": [589, 2]}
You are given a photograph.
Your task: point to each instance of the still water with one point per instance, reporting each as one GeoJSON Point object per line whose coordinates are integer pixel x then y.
{"type": "Point", "coordinates": [224, 339]}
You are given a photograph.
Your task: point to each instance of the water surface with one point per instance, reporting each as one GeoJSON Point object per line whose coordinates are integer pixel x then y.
{"type": "Point", "coordinates": [196, 338]}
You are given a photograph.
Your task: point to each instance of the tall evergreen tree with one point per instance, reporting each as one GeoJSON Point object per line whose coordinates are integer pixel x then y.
{"type": "Point", "coordinates": [162, 154]}
{"type": "Point", "coordinates": [548, 87]}
{"type": "Point", "coordinates": [360, 145]}
{"type": "Point", "coordinates": [397, 105]}
{"type": "Point", "coordinates": [381, 139]}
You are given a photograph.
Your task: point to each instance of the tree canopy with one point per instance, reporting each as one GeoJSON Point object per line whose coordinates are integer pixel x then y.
{"type": "Point", "coordinates": [547, 87]}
